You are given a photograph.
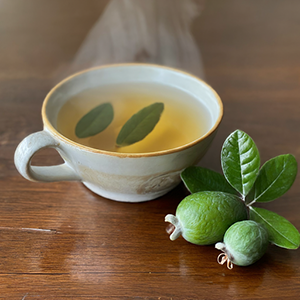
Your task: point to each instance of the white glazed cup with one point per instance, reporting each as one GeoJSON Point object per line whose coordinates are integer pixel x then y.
{"type": "Point", "coordinates": [125, 177]}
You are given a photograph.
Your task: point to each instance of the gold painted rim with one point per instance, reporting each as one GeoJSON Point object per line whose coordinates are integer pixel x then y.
{"type": "Point", "coordinates": [123, 155]}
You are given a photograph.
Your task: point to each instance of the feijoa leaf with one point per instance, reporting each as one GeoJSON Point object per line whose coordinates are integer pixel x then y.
{"type": "Point", "coordinates": [95, 121]}
{"type": "Point", "coordinates": [281, 232]}
{"type": "Point", "coordinates": [140, 125]}
{"type": "Point", "coordinates": [275, 178]}
{"type": "Point", "coordinates": [198, 179]}
{"type": "Point", "coordinates": [240, 161]}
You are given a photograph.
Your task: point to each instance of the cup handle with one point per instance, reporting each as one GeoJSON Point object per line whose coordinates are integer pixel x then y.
{"type": "Point", "coordinates": [25, 152]}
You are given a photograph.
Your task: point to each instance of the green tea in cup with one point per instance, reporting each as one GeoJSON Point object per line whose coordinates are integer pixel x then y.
{"type": "Point", "coordinates": [183, 120]}
{"type": "Point", "coordinates": [187, 113]}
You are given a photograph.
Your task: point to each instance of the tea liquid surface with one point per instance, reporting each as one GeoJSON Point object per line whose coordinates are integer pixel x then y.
{"type": "Point", "coordinates": [183, 120]}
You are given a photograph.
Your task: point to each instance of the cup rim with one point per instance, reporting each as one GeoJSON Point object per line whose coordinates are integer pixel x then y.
{"type": "Point", "coordinates": [60, 136]}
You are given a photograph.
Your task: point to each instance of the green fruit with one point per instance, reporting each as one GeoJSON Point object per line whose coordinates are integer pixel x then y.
{"type": "Point", "coordinates": [203, 218]}
{"type": "Point", "coordinates": [244, 243]}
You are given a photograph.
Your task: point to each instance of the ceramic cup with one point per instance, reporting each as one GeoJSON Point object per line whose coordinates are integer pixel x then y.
{"type": "Point", "coordinates": [126, 177]}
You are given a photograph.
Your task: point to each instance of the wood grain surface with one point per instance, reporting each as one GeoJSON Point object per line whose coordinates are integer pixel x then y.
{"type": "Point", "coordinates": [61, 241]}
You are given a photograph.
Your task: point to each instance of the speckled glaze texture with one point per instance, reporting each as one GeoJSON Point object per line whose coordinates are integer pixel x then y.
{"type": "Point", "coordinates": [132, 177]}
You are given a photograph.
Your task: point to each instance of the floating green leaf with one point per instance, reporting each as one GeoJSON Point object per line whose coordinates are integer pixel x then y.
{"type": "Point", "coordinates": [140, 125]}
{"type": "Point", "coordinates": [281, 232]}
{"type": "Point", "coordinates": [275, 178]}
{"type": "Point", "coordinates": [198, 179]}
{"type": "Point", "coordinates": [95, 121]}
{"type": "Point", "coordinates": [240, 161]}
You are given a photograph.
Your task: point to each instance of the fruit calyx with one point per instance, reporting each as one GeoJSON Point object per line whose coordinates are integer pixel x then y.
{"type": "Point", "coordinates": [176, 231]}
{"type": "Point", "coordinates": [224, 256]}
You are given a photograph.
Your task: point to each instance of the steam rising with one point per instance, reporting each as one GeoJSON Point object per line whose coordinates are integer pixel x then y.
{"type": "Point", "coordinates": [150, 31]}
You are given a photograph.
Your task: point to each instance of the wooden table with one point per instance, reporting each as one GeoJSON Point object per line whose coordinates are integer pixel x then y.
{"type": "Point", "coordinates": [61, 241]}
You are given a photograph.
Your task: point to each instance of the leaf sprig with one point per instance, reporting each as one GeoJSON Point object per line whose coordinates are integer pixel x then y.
{"type": "Point", "coordinates": [240, 161]}
{"type": "Point", "coordinates": [133, 131]}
